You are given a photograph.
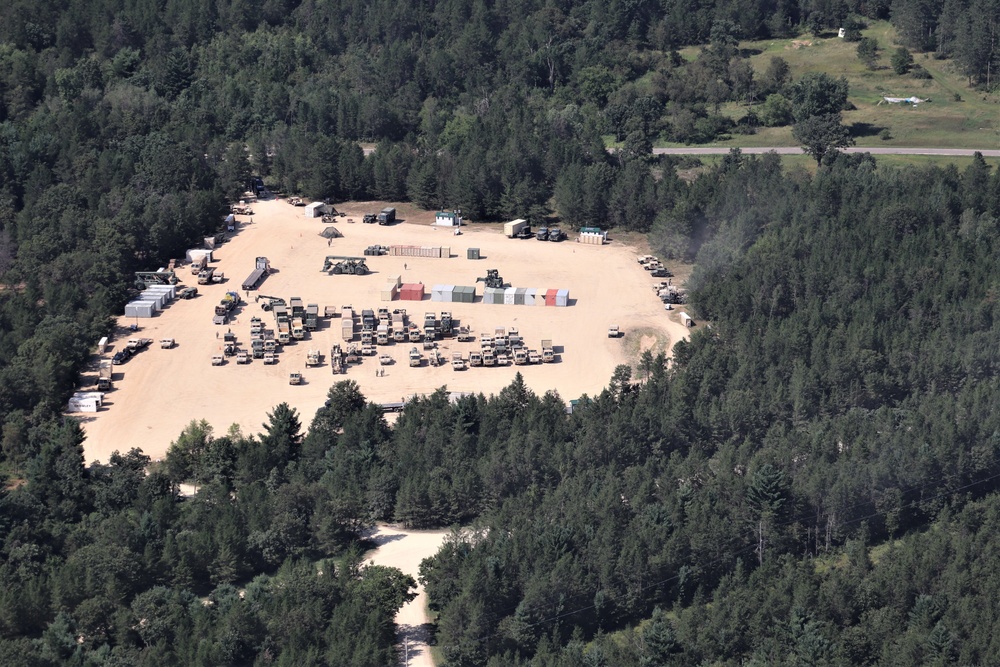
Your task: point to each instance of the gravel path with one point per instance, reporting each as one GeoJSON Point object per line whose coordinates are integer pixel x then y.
{"type": "Point", "coordinates": [404, 549]}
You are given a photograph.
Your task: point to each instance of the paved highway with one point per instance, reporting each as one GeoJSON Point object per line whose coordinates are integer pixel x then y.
{"type": "Point", "coordinates": [795, 150]}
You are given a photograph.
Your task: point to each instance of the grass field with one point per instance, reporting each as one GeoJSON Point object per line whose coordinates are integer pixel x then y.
{"type": "Point", "coordinates": [969, 121]}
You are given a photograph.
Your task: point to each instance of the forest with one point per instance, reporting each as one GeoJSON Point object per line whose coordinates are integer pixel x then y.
{"type": "Point", "coordinates": [811, 480]}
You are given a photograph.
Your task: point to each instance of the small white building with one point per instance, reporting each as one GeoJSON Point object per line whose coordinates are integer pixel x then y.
{"type": "Point", "coordinates": [315, 209]}
{"type": "Point", "coordinates": [447, 219]}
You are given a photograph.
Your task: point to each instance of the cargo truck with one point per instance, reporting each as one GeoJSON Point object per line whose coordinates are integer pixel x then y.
{"type": "Point", "coordinates": [387, 216]}
{"type": "Point", "coordinates": [312, 317]}
{"type": "Point", "coordinates": [104, 375]}
{"type": "Point", "coordinates": [548, 354]}
{"type": "Point", "coordinates": [457, 362]}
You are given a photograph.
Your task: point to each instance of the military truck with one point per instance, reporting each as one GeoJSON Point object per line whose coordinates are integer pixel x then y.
{"type": "Point", "coordinates": [457, 361]}
{"type": "Point", "coordinates": [416, 359]}
{"type": "Point", "coordinates": [188, 293]}
{"type": "Point", "coordinates": [548, 354]}
{"type": "Point", "coordinates": [313, 358]}
{"type": "Point", "coordinates": [475, 358]}
{"type": "Point", "coordinates": [614, 331]}
{"type": "Point", "coordinates": [387, 216]}
{"type": "Point", "coordinates": [104, 382]}
{"type": "Point", "coordinates": [295, 378]}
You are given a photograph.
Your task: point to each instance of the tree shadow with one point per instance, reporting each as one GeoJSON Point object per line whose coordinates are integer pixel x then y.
{"type": "Point", "coordinates": [864, 129]}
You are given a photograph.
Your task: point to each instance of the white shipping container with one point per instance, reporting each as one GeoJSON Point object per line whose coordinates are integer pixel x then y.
{"type": "Point", "coordinates": [529, 296]}
{"type": "Point", "coordinates": [508, 296]}
{"type": "Point", "coordinates": [562, 297]}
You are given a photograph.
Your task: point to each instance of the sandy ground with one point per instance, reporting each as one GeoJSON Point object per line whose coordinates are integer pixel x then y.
{"type": "Point", "coordinates": [158, 392]}
{"type": "Point", "coordinates": [405, 550]}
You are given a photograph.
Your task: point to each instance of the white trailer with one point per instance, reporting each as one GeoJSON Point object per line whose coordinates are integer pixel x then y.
{"type": "Point", "coordinates": [514, 227]}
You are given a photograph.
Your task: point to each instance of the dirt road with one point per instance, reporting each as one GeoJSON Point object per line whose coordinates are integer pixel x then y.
{"type": "Point", "coordinates": [405, 549]}
{"type": "Point", "coordinates": [795, 150]}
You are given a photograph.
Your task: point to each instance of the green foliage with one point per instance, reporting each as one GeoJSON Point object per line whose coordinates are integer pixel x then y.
{"type": "Point", "coordinates": [868, 50]}
{"type": "Point", "coordinates": [901, 60]}
{"type": "Point", "coordinates": [776, 111]}
{"type": "Point", "coordinates": [817, 94]}
{"type": "Point", "coordinates": [822, 135]}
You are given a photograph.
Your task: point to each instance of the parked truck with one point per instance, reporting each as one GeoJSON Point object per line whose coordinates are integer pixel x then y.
{"type": "Point", "coordinates": [104, 375]}
{"type": "Point", "coordinates": [548, 354]}
{"type": "Point", "coordinates": [313, 358]}
{"type": "Point", "coordinates": [261, 268]}
{"type": "Point", "coordinates": [312, 317]}
{"type": "Point", "coordinates": [457, 362]}
{"type": "Point", "coordinates": [387, 216]}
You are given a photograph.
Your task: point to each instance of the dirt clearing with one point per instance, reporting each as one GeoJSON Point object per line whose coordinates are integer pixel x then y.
{"type": "Point", "coordinates": [160, 390]}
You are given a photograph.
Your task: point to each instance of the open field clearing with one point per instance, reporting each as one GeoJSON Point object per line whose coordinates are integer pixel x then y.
{"type": "Point", "coordinates": [160, 390]}
{"type": "Point", "coordinates": [968, 121]}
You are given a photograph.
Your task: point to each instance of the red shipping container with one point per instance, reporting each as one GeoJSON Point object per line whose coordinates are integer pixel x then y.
{"type": "Point", "coordinates": [550, 297]}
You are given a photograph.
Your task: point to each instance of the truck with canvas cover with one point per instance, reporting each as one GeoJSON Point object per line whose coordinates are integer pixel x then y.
{"type": "Point", "coordinates": [104, 375]}
{"type": "Point", "coordinates": [475, 358]}
{"type": "Point", "coordinates": [298, 330]}
{"type": "Point", "coordinates": [199, 264]}
{"type": "Point", "coordinates": [457, 362]}
{"type": "Point", "coordinates": [387, 216]}
{"type": "Point", "coordinates": [312, 317]}
{"type": "Point", "coordinates": [370, 218]}
{"type": "Point", "coordinates": [548, 354]}
{"type": "Point", "coordinates": [382, 334]}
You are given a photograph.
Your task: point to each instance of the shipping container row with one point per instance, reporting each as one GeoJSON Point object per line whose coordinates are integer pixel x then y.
{"type": "Point", "coordinates": [526, 296]}
{"type": "Point", "coordinates": [454, 293]}
{"type": "Point", "coordinates": [151, 300]}
{"type": "Point", "coordinates": [436, 252]}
